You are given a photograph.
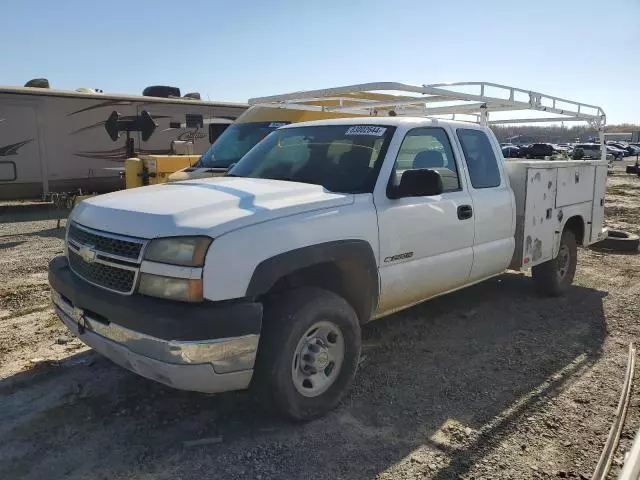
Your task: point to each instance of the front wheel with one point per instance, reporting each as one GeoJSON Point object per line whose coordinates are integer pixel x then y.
{"type": "Point", "coordinates": [555, 276]}
{"type": "Point", "coordinates": [308, 353]}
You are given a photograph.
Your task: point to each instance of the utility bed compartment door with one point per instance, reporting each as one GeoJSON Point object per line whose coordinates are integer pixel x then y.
{"type": "Point", "coordinates": [538, 237]}
{"type": "Point", "coordinates": [597, 216]}
{"type": "Point", "coordinates": [575, 185]}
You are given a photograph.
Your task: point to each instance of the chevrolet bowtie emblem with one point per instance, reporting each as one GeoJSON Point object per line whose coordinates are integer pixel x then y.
{"type": "Point", "coordinates": [87, 253]}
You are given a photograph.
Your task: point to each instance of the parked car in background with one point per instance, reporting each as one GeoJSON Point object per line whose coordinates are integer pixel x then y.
{"type": "Point", "coordinates": [524, 150]}
{"type": "Point", "coordinates": [589, 150]}
{"type": "Point", "coordinates": [626, 148]}
{"type": "Point", "coordinates": [563, 148]}
{"type": "Point", "coordinates": [617, 153]}
{"type": "Point", "coordinates": [541, 150]}
{"type": "Point", "coordinates": [510, 151]}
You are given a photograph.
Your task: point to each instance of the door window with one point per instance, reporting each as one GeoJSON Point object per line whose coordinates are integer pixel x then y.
{"type": "Point", "coordinates": [428, 147]}
{"type": "Point", "coordinates": [481, 160]}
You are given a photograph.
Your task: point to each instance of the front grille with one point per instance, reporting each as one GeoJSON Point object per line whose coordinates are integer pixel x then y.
{"type": "Point", "coordinates": [106, 276]}
{"type": "Point", "coordinates": [106, 244]}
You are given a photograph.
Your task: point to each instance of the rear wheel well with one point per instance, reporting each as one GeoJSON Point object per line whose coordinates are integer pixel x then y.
{"type": "Point", "coordinates": [342, 277]}
{"type": "Point", "coordinates": [576, 225]}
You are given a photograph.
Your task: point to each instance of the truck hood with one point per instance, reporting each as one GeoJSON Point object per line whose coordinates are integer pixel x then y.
{"type": "Point", "coordinates": [196, 173]}
{"type": "Point", "coordinates": [211, 206]}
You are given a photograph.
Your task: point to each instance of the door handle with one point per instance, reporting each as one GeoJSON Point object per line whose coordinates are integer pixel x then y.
{"type": "Point", "coordinates": [465, 212]}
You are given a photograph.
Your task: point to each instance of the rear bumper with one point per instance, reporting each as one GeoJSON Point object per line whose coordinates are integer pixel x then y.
{"type": "Point", "coordinates": [187, 359]}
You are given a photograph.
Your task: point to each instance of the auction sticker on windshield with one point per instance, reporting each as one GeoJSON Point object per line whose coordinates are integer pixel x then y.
{"type": "Point", "coordinates": [366, 130]}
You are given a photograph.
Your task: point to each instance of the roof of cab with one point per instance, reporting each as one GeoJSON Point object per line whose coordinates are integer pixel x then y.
{"type": "Point", "coordinates": [390, 121]}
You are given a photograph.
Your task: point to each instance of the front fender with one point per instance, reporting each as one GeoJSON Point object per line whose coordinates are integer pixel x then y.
{"type": "Point", "coordinates": [246, 261]}
{"type": "Point", "coordinates": [358, 253]}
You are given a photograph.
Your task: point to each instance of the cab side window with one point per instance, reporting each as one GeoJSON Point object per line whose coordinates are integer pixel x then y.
{"type": "Point", "coordinates": [481, 160]}
{"type": "Point", "coordinates": [428, 147]}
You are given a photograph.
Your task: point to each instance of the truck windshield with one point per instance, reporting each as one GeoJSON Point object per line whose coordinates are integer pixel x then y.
{"type": "Point", "coordinates": [341, 158]}
{"type": "Point", "coordinates": [234, 142]}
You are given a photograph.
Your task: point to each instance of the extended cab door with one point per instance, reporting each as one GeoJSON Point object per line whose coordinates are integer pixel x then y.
{"type": "Point", "coordinates": [426, 243]}
{"type": "Point", "coordinates": [493, 203]}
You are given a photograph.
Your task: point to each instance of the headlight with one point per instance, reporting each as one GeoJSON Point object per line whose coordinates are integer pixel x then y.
{"type": "Point", "coordinates": [182, 289]}
{"type": "Point", "coordinates": [184, 251]}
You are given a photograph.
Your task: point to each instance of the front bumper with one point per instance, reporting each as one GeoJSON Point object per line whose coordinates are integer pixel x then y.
{"type": "Point", "coordinates": [186, 360]}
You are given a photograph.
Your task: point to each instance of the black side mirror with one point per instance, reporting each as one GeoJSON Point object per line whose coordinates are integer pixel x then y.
{"type": "Point", "coordinates": [215, 130]}
{"type": "Point", "coordinates": [421, 182]}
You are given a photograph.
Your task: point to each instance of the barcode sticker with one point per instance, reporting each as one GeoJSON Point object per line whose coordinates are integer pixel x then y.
{"type": "Point", "coordinates": [277, 124]}
{"type": "Point", "coordinates": [366, 130]}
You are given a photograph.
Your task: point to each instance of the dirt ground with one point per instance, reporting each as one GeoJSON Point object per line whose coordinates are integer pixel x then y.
{"type": "Point", "coordinates": [489, 382]}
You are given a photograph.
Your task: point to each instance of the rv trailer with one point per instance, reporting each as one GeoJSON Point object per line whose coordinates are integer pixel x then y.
{"type": "Point", "coordinates": [55, 140]}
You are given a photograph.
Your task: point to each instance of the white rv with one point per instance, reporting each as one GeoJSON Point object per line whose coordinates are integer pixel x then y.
{"type": "Point", "coordinates": [55, 140]}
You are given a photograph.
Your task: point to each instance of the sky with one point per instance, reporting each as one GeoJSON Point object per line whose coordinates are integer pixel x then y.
{"type": "Point", "coordinates": [584, 50]}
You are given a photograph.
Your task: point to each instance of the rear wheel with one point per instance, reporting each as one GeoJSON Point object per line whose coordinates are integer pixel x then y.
{"type": "Point", "coordinates": [308, 353]}
{"type": "Point", "coordinates": [555, 276]}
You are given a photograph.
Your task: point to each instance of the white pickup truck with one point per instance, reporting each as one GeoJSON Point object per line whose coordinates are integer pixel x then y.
{"type": "Point", "coordinates": [265, 276]}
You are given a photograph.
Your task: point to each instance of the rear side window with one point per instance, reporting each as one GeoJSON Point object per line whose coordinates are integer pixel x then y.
{"type": "Point", "coordinates": [481, 161]}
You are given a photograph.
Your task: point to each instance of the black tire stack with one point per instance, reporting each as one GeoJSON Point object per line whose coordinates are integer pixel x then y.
{"type": "Point", "coordinates": [619, 241]}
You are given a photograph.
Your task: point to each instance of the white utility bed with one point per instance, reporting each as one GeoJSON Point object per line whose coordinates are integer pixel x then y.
{"type": "Point", "coordinates": [545, 193]}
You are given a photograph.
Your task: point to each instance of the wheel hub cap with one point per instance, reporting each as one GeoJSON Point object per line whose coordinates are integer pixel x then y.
{"type": "Point", "coordinates": [322, 359]}
{"type": "Point", "coordinates": [317, 359]}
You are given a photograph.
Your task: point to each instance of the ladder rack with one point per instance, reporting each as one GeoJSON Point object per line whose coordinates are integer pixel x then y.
{"type": "Point", "coordinates": [475, 99]}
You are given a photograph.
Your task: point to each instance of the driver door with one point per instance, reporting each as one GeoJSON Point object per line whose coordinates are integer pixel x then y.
{"type": "Point", "coordinates": [426, 243]}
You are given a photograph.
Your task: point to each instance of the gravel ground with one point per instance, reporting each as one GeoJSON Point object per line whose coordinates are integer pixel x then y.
{"type": "Point", "coordinates": [489, 382]}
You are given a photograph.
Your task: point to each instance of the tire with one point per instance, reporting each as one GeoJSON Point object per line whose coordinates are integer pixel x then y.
{"type": "Point", "coordinates": [619, 241]}
{"type": "Point", "coordinates": [162, 91]}
{"type": "Point", "coordinates": [281, 374]}
{"type": "Point", "coordinates": [554, 277]}
{"type": "Point", "coordinates": [37, 83]}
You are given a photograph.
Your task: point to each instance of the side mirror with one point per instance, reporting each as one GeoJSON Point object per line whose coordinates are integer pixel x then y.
{"type": "Point", "coordinates": [421, 182]}
{"type": "Point", "coordinates": [215, 130]}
